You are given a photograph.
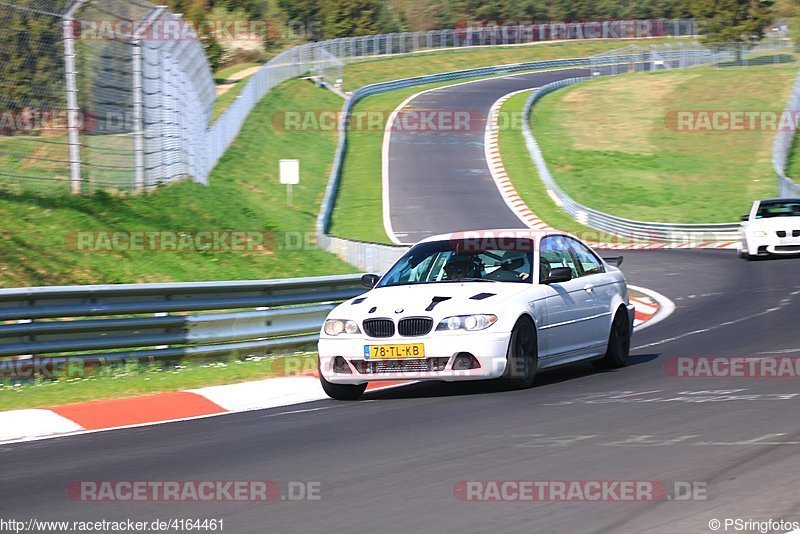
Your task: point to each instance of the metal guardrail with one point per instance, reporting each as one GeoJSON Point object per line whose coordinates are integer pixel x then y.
{"type": "Point", "coordinates": [157, 321]}
{"type": "Point", "coordinates": [782, 147]}
{"type": "Point", "coordinates": [639, 230]}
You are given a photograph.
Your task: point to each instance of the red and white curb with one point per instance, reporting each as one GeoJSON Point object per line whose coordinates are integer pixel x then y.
{"type": "Point", "coordinates": [497, 169]}
{"type": "Point", "coordinates": [527, 216]}
{"type": "Point", "coordinates": [645, 310]}
{"type": "Point", "coordinates": [99, 416]}
{"type": "Point", "coordinates": [650, 307]}
{"type": "Point", "coordinates": [103, 415]}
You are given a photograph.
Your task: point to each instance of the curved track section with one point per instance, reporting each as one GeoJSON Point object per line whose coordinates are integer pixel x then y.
{"type": "Point", "coordinates": [439, 181]}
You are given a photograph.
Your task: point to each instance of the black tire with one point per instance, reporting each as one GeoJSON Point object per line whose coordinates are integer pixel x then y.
{"type": "Point", "coordinates": [342, 392]}
{"type": "Point", "coordinates": [522, 356]}
{"type": "Point", "coordinates": [619, 343]}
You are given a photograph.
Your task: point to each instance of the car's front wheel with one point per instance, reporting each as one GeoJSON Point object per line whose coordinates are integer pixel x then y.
{"type": "Point", "coordinates": [746, 255]}
{"type": "Point", "coordinates": [619, 343]}
{"type": "Point", "coordinates": [522, 357]}
{"type": "Point", "coordinates": [343, 392]}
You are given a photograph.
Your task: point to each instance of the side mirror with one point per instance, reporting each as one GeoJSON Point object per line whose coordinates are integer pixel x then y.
{"type": "Point", "coordinates": [558, 275]}
{"type": "Point", "coordinates": [368, 281]}
{"type": "Point", "coordinates": [616, 261]}
{"type": "Point", "coordinates": [745, 218]}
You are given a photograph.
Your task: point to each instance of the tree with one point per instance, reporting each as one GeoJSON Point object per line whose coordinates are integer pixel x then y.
{"type": "Point", "coordinates": [31, 59]}
{"type": "Point", "coordinates": [726, 22]}
{"type": "Point", "coordinates": [346, 18]}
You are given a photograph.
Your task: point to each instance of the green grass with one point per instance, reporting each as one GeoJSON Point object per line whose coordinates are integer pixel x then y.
{"type": "Point", "coordinates": [609, 146]}
{"type": "Point", "coordinates": [523, 174]}
{"type": "Point", "coordinates": [244, 194]}
{"type": "Point", "coordinates": [391, 68]}
{"type": "Point", "coordinates": [359, 203]}
{"type": "Point", "coordinates": [119, 381]}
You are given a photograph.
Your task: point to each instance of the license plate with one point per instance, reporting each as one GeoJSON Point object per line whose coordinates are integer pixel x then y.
{"type": "Point", "coordinates": [790, 241]}
{"type": "Point", "coordinates": [394, 352]}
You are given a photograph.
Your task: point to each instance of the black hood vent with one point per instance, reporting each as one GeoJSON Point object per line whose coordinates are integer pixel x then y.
{"type": "Point", "coordinates": [482, 296]}
{"type": "Point", "coordinates": [435, 301]}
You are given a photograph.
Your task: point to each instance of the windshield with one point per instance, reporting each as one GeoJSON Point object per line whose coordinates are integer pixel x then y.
{"type": "Point", "coordinates": [507, 260]}
{"type": "Point", "coordinates": [778, 208]}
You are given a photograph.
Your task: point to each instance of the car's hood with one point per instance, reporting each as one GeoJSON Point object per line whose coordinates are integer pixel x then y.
{"type": "Point", "coordinates": [436, 300]}
{"type": "Point", "coordinates": [774, 223]}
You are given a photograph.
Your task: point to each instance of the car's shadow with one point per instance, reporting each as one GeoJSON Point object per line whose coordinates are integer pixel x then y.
{"type": "Point", "coordinates": [432, 389]}
{"type": "Point", "coordinates": [775, 257]}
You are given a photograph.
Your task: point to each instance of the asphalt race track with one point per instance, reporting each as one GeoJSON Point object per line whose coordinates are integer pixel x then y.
{"type": "Point", "coordinates": [395, 458]}
{"type": "Point", "coordinates": [438, 178]}
{"type": "Point", "coordinates": [390, 463]}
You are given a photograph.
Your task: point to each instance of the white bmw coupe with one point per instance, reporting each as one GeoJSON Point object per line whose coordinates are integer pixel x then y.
{"type": "Point", "coordinates": [771, 227]}
{"type": "Point", "coordinates": [479, 305]}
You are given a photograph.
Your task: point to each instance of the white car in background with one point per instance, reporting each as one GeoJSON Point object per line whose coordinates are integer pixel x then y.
{"type": "Point", "coordinates": [479, 305]}
{"type": "Point", "coordinates": [771, 227]}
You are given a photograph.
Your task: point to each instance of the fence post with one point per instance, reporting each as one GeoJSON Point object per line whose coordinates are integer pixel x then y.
{"type": "Point", "coordinates": [73, 109]}
{"type": "Point", "coordinates": [138, 98]}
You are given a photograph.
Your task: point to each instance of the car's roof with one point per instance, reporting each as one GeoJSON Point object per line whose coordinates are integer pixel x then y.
{"type": "Point", "coordinates": [520, 233]}
{"type": "Point", "coordinates": [779, 199]}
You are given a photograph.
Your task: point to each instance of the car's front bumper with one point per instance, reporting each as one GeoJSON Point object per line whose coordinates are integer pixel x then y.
{"type": "Point", "coordinates": [755, 246]}
{"type": "Point", "coordinates": [488, 349]}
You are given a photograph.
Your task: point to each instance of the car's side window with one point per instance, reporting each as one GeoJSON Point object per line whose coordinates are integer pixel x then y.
{"type": "Point", "coordinates": [554, 252]}
{"type": "Point", "coordinates": [587, 261]}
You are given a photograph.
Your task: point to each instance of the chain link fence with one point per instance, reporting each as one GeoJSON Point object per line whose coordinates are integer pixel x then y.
{"type": "Point", "coordinates": [105, 94]}
{"type": "Point", "coordinates": [33, 94]}
{"type": "Point", "coordinates": [96, 95]}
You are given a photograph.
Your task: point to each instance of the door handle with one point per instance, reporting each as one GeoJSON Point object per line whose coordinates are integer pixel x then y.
{"type": "Point", "coordinates": [588, 288]}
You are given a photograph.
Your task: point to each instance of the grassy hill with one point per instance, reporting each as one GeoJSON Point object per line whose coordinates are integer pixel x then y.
{"type": "Point", "coordinates": [612, 143]}
{"type": "Point", "coordinates": [37, 243]}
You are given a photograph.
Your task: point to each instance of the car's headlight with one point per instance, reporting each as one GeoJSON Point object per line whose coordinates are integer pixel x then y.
{"type": "Point", "coordinates": [335, 327]}
{"type": "Point", "coordinates": [468, 322]}
{"type": "Point", "coordinates": [759, 233]}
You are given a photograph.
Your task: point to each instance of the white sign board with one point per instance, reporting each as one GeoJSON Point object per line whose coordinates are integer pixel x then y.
{"type": "Point", "coordinates": [290, 171]}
